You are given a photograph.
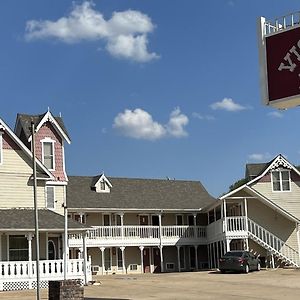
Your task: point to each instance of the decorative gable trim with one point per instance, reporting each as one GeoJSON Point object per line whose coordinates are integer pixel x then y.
{"type": "Point", "coordinates": [25, 149]}
{"type": "Point", "coordinates": [49, 117]}
{"type": "Point", "coordinates": [278, 162]}
{"type": "Point", "coordinates": [97, 184]}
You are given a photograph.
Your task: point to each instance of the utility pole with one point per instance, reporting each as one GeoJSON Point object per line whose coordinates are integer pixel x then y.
{"type": "Point", "coordinates": [36, 218]}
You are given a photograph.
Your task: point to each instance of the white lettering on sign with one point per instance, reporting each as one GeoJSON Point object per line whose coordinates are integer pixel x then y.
{"type": "Point", "coordinates": [288, 59]}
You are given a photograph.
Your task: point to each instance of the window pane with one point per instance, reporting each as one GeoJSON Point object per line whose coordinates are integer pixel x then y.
{"type": "Point", "coordinates": [18, 248]}
{"type": "Point", "coordinates": [285, 175]}
{"type": "Point", "coordinates": [50, 196]}
{"type": "Point", "coordinates": [48, 149]}
{"type": "Point", "coordinates": [275, 176]}
{"type": "Point", "coordinates": [48, 162]}
{"type": "Point", "coordinates": [276, 186]}
{"type": "Point", "coordinates": [285, 185]}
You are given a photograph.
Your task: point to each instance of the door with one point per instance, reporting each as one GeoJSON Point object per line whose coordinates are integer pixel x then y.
{"type": "Point", "coordinates": [192, 258]}
{"type": "Point", "coordinates": [146, 260]}
{"type": "Point", "coordinates": [144, 232]}
{"type": "Point", "coordinates": [156, 260]}
{"type": "Point", "coordinates": [52, 249]}
{"type": "Point", "coordinates": [155, 220]}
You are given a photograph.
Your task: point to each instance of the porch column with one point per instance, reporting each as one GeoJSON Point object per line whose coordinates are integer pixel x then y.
{"type": "Point", "coordinates": [178, 258]}
{"type": "Point", "coordinates": [225, 214]}
{"type": "Point", "coordinates": [160, 231]}
{"type": "Point", "coordinates": [123, 259]}
{"type": "Point", "coordinates": [298, 238]}
{"type": "Point", "coordinates": [102, 249]}
{"type": "Point", "coordinates": [122, 225]}
{"type": "Point", "coordinates": [161, 259]}
{"type": "Point", "coordinates": [246, 222]}
{"type": "Point", "coordinates": [81, 217]}
{"type": "Point", "coordinates": [142, 259]}
{"type": "Point", "coordinates": [195, 223]}
{"type": "Point", "coordinates": [84, 258]}
{"type": "Point", "coordinates": [29, 239]}
{"type": "Point", "coordinates": [222, 212]}
{"type": "Point", "coordinates": [196, 256]}
{"type": "Point", "coordinates": [227, 245]}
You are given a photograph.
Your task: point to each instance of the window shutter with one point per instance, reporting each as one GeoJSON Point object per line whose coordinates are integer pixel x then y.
{"type": "Point", "coordinates": [50, 196]}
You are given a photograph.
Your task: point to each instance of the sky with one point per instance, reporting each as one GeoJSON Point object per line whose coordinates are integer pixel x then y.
{"type": "Point", "coordinates": [147, 89]}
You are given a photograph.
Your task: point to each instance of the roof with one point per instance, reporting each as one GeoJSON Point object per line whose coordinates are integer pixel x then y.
{"type": "Point", "coordinates": [25, 122]}
{"type": "Point", "coordinates": [139, 194]}
{"type": "Point", "coordinates": [23, 219]}
{"type": "Point", "coordinates": [254, 169]}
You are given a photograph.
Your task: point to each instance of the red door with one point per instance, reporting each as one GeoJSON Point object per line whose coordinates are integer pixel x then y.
{"type": "Point", "coordinates": [146, 260]}
{"type": "Point", "coordinates": [156, 260]}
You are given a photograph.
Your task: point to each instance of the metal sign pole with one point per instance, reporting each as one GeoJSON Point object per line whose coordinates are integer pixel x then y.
{"type": "Point", "coordinates": [36, 219]}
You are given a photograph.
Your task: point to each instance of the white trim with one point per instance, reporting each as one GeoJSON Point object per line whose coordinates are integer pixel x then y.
{"type": "Point", "coordinates": [58, 183]}
{"type": "Point", "coordinates": [52, 142]}
{"type": "Point", "coordinates": [49, 117]}
{"type": "Point", "coordinates": [1, 148]}
{"type": "Point", "coordinates": [64, 161]}
{"type": "Point", "coordinates": [137, 210]}
{"type": "Point", "coordinates": [24, 148]}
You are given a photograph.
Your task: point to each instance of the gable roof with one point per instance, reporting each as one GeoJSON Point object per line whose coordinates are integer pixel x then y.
{"type": "Point", "coordinates": [23, 121]}
{"type": "Point", "coordinates": [45, 173]}
{"type": "Point", "coordinates": [137, 194]}
{"type": "Point", "coordinates": [98, 178]}
{"type": "Point", "coordinates": [23, 219]}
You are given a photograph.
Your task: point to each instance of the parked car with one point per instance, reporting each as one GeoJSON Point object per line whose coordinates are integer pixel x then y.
{"type": "Point", "coordinates": [243, 261]}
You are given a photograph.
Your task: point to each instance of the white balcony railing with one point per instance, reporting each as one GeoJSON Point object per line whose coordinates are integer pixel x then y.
{"type": "Point", "coordinates": [24, 272]}
{"type": "Point", "coordinates": [127, 233]}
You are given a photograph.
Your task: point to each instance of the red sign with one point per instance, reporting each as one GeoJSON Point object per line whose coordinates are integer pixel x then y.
{"type": "Point", "coordinates": [283, 64]}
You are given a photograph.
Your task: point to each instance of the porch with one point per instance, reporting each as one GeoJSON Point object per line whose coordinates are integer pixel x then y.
{"type": "Point", "coordinates": [20, 275]}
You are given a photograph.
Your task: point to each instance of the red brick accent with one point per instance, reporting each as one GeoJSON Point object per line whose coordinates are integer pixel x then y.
{"type": "Point", "coordinates": [47, 130]}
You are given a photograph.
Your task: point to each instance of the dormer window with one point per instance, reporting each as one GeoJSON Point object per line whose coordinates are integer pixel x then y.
{"type": "Point", "coordinates": [102, 185]}
{"type": "Point", "coordinates": [48, 157]}
{"type": "Point", "coordinates": [281, 180]}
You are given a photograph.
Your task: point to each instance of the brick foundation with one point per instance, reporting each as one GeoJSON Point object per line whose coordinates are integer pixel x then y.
{"type": "Point", "coordinates": [71, 289]}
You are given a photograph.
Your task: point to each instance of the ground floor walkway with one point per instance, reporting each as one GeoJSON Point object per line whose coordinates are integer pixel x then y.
{"type": "Point", "coordinates": [267, 284]}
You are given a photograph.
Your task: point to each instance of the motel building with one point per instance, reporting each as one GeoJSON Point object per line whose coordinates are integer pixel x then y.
{"type": "Point", "coordinates": [132, 226]}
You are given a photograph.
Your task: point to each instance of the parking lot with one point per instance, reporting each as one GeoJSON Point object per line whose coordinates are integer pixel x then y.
{"type": "Point", "coordinates": [266, 284]}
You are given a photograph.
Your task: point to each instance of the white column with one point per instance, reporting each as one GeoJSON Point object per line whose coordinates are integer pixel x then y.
{"type": "Point", "coordinates": [195, 223]}
{"type": "Point", "coordinates": [122, 225]}
{"type": "Point", "coordinates": [161, 259]}
{"type": "Point", "coordinates": [102, 249]}
{"type": "Point", "coordinates": [84, 258]}
{"type": "Point", "coordinates": [123, 259]}
{"type": "Point", "coordinates": [142, 259]}
{"type": "Point", "coordinates": [196, 256]}
{"type": "Point", "coordinates": [81, 217]}
{"type": "Point", "coordinates": [178, 258]}
{"type": "Point", "coordinates": [225, 216]}
{"type": "Point", "coordinates": [29, 239]}
{"type": "Point", "coordinates": [160, 245]}
{"type": "Point", "coordinates": [227, 245]}
{"type": "Point", "coordinates": [298, 238]}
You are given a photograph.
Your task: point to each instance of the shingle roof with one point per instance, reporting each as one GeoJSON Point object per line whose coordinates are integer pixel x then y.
{"type": "Point", "coordinates": [25, 122]}
{"type": "Point", "coordinates": [24, 219]}
{"type": "Point", "coordinates": [130, 193]}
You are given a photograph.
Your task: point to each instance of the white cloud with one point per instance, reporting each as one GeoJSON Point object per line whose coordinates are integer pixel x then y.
{"type": "Point", "coordinates": [203, 117]}
{"type": "Point", "coordinates": [228, 104]}
{"type": "Point", "coordinates": [175, 126]}
{"type": "Point", "coordinates": [125, 33]}
{"type": "Point", "coordinates": [139, 124]}
{"type": "Point", "coordinates": [260, 157]}
{"type": "Point", "coordinates": [275, 114]}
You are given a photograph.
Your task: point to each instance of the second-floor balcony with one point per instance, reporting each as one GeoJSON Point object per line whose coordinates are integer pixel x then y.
{"type": "Point", "coordinates": [140, 235]}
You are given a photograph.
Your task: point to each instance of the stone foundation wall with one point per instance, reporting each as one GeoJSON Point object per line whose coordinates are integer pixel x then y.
{"type": "Point", "coordinates": [71, 289]}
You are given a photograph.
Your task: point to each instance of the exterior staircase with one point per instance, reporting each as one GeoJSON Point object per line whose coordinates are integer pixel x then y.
{"type": "Point", "coordinates": [273, 244]}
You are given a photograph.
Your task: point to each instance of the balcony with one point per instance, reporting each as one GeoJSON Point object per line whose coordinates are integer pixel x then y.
{"type": "Point", "coordinates": [113, 236]}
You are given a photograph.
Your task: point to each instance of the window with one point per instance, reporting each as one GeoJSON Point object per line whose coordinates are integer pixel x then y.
{"type": "Point", "coordinates": [179, 220]}
{"type": "Point", "coordinates": [50, 197]}
{"type": "Point", "coordinates": [48, 154]}
{"type": "Point", "coordinates": [133, 267]}
{"type": "Point", "coordinates": [18, 248]}
{"type": "Point", "coordinates": [281, 180]}
{"type": "Point", "coordinates": [120, 261]}
{"type": "Point", "coordinates": [102, 185]}
{"type": "Point", "coordinates": [170, 266]}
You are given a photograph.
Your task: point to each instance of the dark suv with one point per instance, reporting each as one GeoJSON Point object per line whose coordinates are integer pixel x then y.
{"type": "Point", "coordinates": [239, 260]}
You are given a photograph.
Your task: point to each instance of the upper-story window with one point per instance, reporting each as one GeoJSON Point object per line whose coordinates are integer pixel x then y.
{"type": "Point", "coordinates": [102, 185]}
{"type": "Point", "coordinates": [281, 180]}
{"type": "Point", "coordinates": [48, 156]}
{"type": "Point", "coordinates": [50, 197]}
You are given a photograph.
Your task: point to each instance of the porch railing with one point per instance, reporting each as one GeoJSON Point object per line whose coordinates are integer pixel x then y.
{"type": "Point", "coordinates": [14, 274]}
{"type": "Point", "coordinates": [146, 232]}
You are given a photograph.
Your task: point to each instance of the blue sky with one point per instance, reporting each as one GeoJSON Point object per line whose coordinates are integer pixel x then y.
{"type": "Point", "coordinates": [147, 88]}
